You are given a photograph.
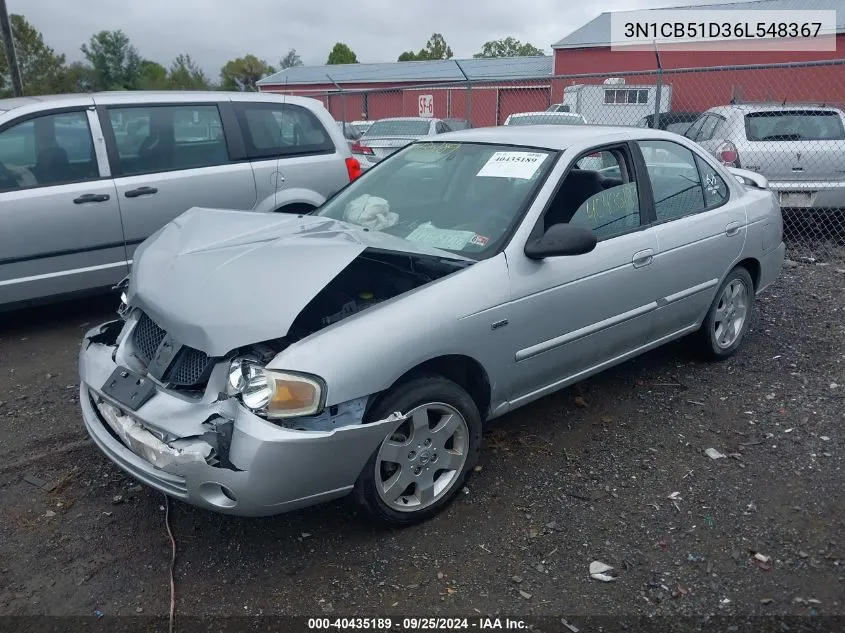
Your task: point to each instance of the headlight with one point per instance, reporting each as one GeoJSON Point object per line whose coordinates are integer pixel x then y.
{"type": "Point", "coordinates": [272, 393]}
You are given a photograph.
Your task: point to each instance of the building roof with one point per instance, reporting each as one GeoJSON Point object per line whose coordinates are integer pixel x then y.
{"type": "Point", "coordinates": [596, 32]}
{"type": "Point", "coordinates": [424, 71]}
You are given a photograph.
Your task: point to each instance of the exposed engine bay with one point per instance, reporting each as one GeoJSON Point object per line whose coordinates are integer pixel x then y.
{"type": "Point", "coordinates": [371, 278]}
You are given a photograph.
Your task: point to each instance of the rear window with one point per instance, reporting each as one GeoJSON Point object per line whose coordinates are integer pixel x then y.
{"type": "Point", "coordinates": [546, 119]}
{"type": "Point", "coordinates": [794, 125]}
{"type": "Point", "coordinates": [398, 128]}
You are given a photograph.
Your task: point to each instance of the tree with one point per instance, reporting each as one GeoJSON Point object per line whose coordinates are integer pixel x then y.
{"type": "Point", "coordinates": [41, 68]}
{"type": "Point", "coordinates": [186, 75]}
{"type": "Point", "coordinates": [77, 77]}
{"type": "Point", "coordinates": [342, 54]}
{"type": "Point", "coordinates": [435, 48]}
{"type": "Point", "coordinates": [242, 73]}
{"type": "Point", "coordinates": [152, 76]}
{"type": "Point", "coordinates": [290, 60]}
{"type": "Point", "coordinates": [508, 47]}
{"type": "Point", "coordinates": [115, 61]}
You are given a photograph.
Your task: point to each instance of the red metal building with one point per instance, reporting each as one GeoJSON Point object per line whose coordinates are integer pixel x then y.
{"type": "Point", "coordinates": [589, 50]}
{"type": "Point", "coordinates": [372, 91]}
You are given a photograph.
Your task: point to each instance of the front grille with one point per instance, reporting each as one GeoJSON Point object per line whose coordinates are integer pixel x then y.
{"type": "Point", "coordinates": [190, 368]}
{"type": "Point", "coordinates": [147, 337]}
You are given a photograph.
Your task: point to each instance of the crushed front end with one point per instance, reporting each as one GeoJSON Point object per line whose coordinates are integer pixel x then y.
{"type": "Point", "coordinates": [163, 413]}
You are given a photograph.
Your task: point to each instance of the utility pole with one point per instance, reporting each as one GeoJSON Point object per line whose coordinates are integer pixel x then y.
{"type": "Point", "coordinates": [9, 44]}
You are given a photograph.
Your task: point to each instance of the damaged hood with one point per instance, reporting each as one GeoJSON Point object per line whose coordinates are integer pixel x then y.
{"type": "Point", "coordinates": [219, 279]}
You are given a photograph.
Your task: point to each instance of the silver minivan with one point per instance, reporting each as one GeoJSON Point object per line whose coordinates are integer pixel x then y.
{"type": "Point", "coordinates": [86, 178]}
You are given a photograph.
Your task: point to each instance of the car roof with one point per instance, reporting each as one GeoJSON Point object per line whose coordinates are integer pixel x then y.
{"type": "Point", "coordinates": [142, 96]}
{"type": "Point", "coordinates": [553, 137]}
{"type": "Point", "coordinates": [769, 107]}
{"type": "Point", "coordinates": [546, 113]}
{"type": "Point", "coordinates": [406, 118]}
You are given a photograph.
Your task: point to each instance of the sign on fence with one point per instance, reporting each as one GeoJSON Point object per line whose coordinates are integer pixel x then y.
{"type": "Point", "coordinates": [427, 105]}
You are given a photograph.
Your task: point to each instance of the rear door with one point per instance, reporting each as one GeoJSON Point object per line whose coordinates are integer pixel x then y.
{"type": "Point", "coordinates": [700, 230]}
{"type": "Point", "coordinates": [291, 152]}
{"type": "Point", "coordinates": [60, 226]}
{"type": "Point", "coordinates": [167, 158]}
{"type": "Point", "coordinates": [790, 144]}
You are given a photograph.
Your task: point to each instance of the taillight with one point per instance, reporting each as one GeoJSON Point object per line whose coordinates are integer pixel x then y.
{"type": "Point", "coordinates": [353, 168]}
{"type": "Point", "coordinates": [728, 154]}
{"type": "Point", "coordinates": [357, 148]}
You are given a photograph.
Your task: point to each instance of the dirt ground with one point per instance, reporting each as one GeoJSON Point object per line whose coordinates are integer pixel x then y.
{"type": "Point", "coordinates": [612, 470]}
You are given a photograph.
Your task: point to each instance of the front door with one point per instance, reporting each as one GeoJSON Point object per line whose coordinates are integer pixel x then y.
{"type": "Point", "coordinates": [59, 215]}
{"type": "Point", "coordinates": [572, 316]}
{"type": "Point", "coordinates": [167, 158]}
{"type": "Point", "coordinates": [700, 234]}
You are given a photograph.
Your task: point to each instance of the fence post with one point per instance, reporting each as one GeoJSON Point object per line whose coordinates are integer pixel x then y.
{"type": "Point", "coordinates": [342, 103]}
{"type": "Point", "coordinates": [468, 104]}
{"type": "Point", "coordinates": [658, 93]}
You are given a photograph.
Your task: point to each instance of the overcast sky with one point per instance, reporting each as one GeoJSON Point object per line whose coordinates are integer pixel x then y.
{"type": "Point", "coordinates": [214, 31]}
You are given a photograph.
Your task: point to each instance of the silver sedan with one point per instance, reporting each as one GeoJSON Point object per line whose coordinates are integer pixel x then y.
{"type": "Point", "coordinates": [263, 363]}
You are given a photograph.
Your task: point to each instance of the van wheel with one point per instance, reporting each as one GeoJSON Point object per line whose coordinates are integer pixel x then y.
{"type": "Point", "coordinates": [425, 459]}
{"type": "Point", "coordinates": [728, 319]}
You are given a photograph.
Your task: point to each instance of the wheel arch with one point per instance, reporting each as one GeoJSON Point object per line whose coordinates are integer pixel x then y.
{"type": "Point", "coordinates": [463, 370]}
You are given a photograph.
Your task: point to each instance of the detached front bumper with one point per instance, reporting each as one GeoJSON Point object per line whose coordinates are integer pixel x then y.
{"type": "Point", "coordinates": [212, 452]}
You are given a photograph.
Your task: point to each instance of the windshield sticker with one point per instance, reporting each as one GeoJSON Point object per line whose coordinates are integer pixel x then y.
{"type": "Point", "coordinates": [370, 212]}
{"type": "Point", "coordinates": [479, 240]}
{"type": "Point", "coordinates": [512, 165]}
{"type": "Point", "coordinates": [449, 239]}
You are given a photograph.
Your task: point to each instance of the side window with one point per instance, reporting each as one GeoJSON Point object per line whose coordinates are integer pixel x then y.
{"type": "Point", "coordinates": [48, 150]}
{"type": "Point", "coordinates": [715, 188]}
{"type": "Point", "coordinates": [272, 130]}
{"type": "Point", "coordinates": [675, 180]}
{"type": "Point", "coordinates": [695, 128]}
{"type": "Point", "coordinates": [167, 138]}
{"type": "Point", "coordinates": [707, 129]}
{"type": "Point", "coordinates": [599, 193]}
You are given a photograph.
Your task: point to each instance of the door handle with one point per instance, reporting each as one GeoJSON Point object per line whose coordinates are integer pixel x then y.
{"type": "Point", "coordinates": [91, 197]}
{"type": "Point", "coordinates": [141, 191]}
{"type": "Point", "coordinates": [732, 229]}
{"type": "Point", "coordinates": [642, 258]}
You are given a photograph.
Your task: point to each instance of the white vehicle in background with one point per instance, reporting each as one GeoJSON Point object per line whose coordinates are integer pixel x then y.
{"type": "Point", "coordinates": [545, 118]}
{"type": "Point", "coordinates": [386, 136]}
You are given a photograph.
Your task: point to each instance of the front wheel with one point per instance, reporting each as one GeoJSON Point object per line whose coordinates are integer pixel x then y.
{"type": "Point", "coordinates": [728, 319]}
{"type": "Point", "coordinates": [425, 458]}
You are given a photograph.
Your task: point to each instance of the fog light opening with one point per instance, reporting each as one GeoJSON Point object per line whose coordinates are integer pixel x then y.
{"type": "Point", "coordinates": [218, 495]}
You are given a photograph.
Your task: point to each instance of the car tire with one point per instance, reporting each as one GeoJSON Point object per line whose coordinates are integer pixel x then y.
{"type": "Point", "coordinates": [434, 396]}
{"type": "Point", "coordinates": [722, 334]}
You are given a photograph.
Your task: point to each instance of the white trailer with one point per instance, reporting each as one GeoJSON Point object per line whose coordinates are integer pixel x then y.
{"type": "Point", "coordinates": [614, 102]}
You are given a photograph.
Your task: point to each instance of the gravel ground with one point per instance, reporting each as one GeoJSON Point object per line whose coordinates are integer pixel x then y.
{"type": "Point", "coordinates": [613, 470]}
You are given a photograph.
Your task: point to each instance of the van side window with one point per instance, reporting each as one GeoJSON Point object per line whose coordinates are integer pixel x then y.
{"type": "Point", "coordinates": [167, 138]}
{"type": "Point", "coordinates": [48, 150]}
{"type": "Point", "coordinates": [277, 129]}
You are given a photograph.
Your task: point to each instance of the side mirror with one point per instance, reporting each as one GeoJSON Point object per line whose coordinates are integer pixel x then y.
{"type": "Point", "coordinates": [561, 240]}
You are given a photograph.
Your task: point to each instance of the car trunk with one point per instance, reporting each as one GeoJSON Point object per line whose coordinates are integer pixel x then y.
{"type": "Point", "coordinates": [795, 145]}
{"type": "Point", "coordinates": [384, 146]}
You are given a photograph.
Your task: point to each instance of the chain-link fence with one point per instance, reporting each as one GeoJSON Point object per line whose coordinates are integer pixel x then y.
{"type": "Point", "coordinates": [784, 121]}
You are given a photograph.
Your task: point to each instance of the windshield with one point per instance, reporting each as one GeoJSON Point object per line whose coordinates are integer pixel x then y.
{"type": "Point", "coordinates": [398, 128]}
{"type": "Point", "coordinates": [545, 119]}
{"type": "Point", "coordinates": [794, 125]}
{"type": "Point", "coordinates": [459, 197]}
